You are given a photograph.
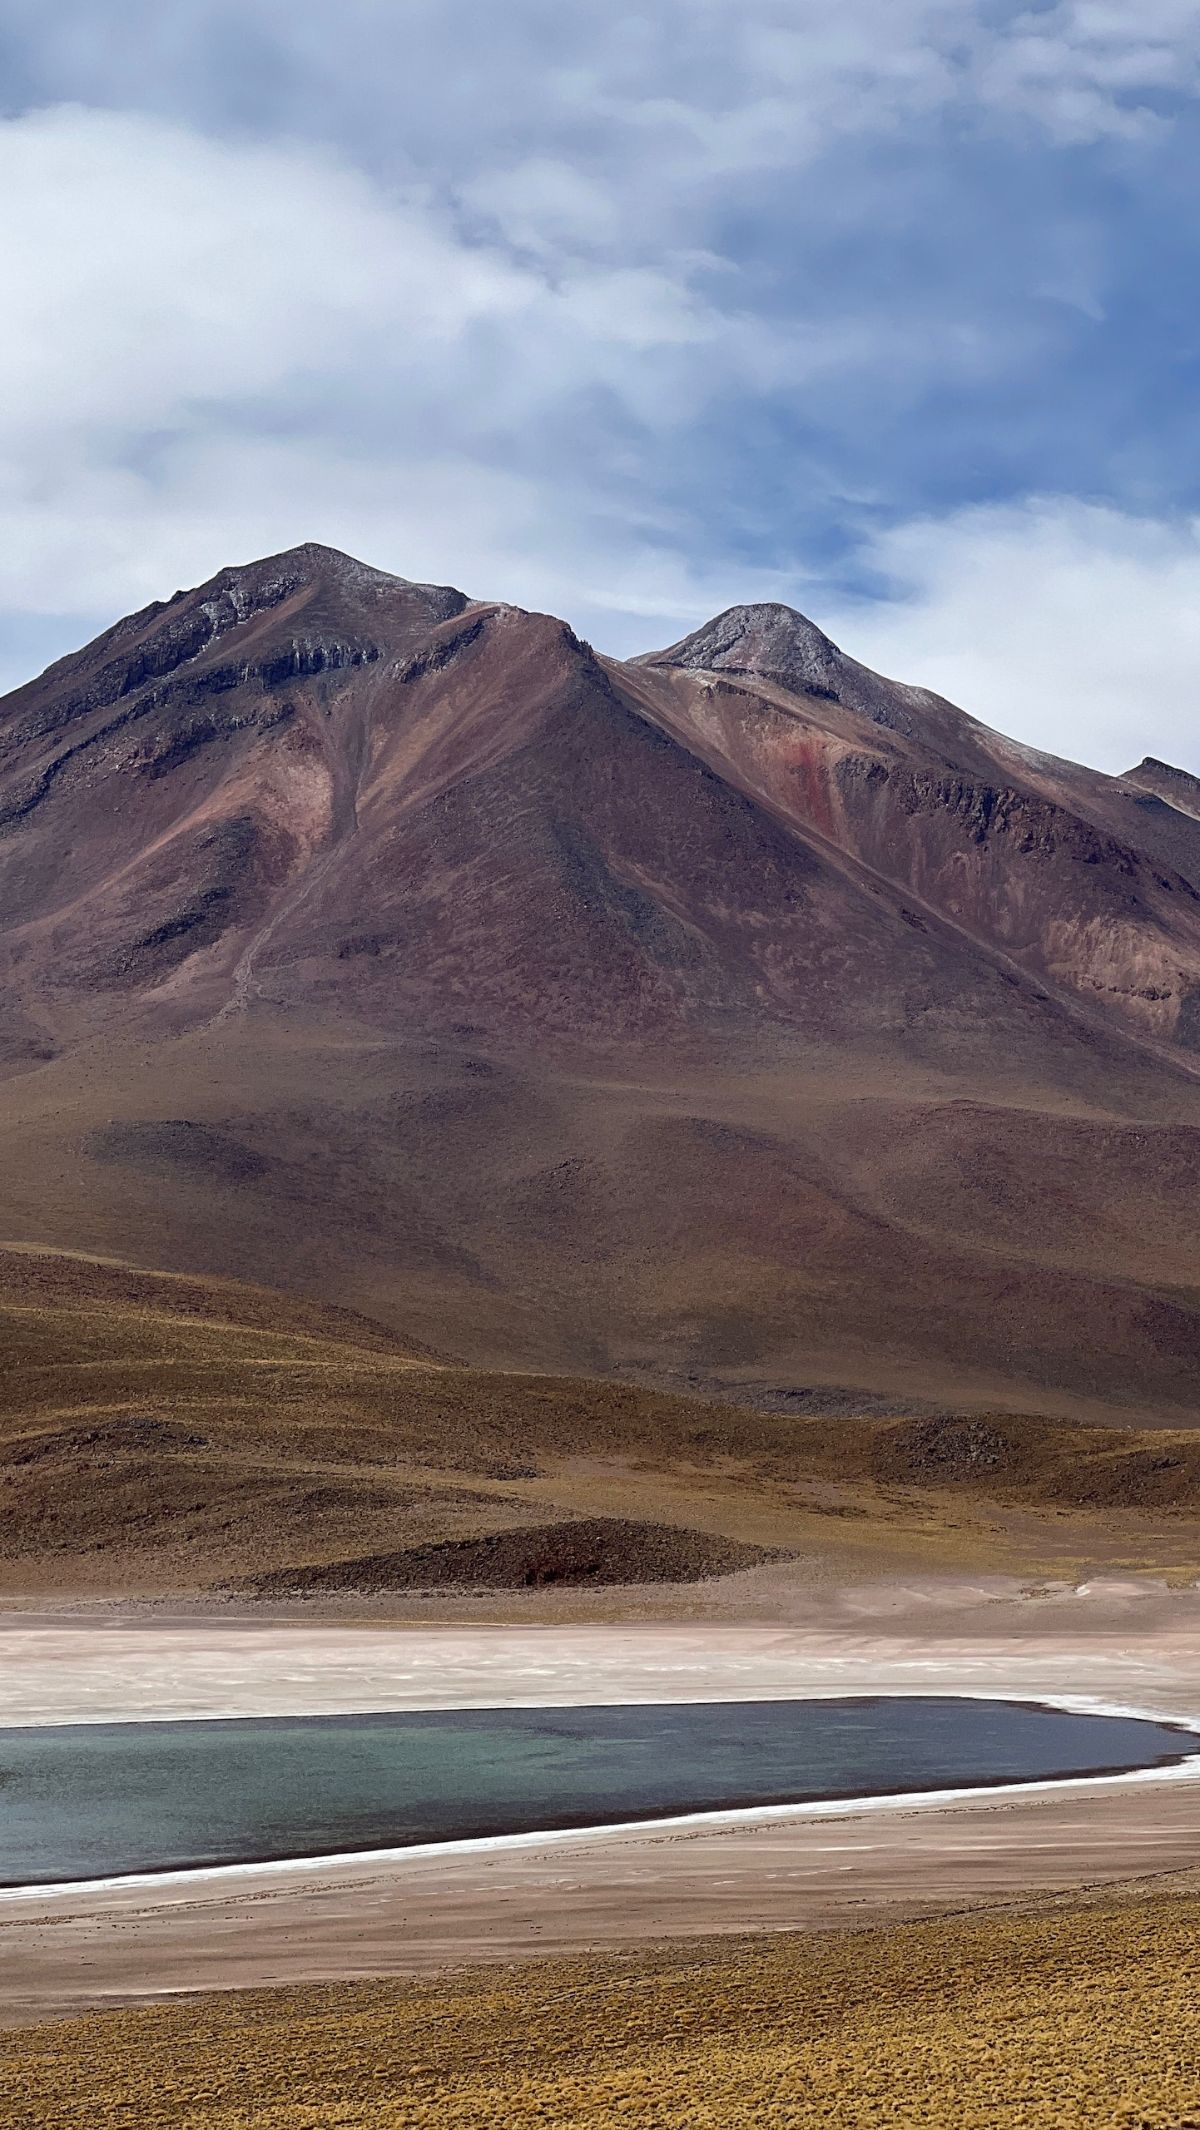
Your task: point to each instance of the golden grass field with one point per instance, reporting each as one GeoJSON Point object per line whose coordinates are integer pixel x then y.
{"type": "Point", "coordinates": [1084, 2017]}
{"type": "Point", "coordinates": [165, 1435]}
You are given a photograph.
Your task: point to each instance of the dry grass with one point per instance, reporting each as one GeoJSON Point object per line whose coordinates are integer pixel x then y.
{"type": "Point", "coordinates": [161, 1435]}
{"type": "Point", "coordinates": [1084, 2018]}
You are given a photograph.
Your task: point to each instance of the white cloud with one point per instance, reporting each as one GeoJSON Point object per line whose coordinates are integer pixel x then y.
{"type": "Point", "coordinates": [217, 348]}
{"type": "Point", "coordinates": [200, 335]}
{"type": "Point", "coordinates": [1071, 627]}
{"type": "Point", "coordinates": [475, 92]}
{"type": "Point", "coordinates": [150, 269]}
{"type": "Point", "coordinates": [1085, 69]}
{"type": "Point", "coordinates": [152, 272]}
{"type": "Point", "coordinates": [544, 205]}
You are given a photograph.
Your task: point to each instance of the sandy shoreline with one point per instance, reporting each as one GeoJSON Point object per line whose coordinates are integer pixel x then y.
{"type": "Point", "coordinates": [1115, 1641]}
{"type": "Point", "coordinates": [1127, 1647]}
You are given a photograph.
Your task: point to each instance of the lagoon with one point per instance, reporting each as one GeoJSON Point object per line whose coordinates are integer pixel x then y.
{"type": "Point", "coordinates": [85, 1801]}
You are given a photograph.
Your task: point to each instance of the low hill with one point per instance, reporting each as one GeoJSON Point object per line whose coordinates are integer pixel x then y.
{"type": "Point", "coordinates": [164, 1436]}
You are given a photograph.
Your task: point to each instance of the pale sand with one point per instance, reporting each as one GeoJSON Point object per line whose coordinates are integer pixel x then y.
{"type": "Point", "coordinates": [1116, 1645]}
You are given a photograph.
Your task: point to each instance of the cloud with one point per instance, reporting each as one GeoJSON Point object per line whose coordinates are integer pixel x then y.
{"type": "Point", "coordinates": [151, 270]}
{"type": "Point", "coordinates": [542, 205]}
{"type": "Point", "coordinates": [154, 272]}
{"type": "Point", "coordinates": [214, 346]}
{"type": "Point", "coordinates": [753, 81]}
{"type": "Point", "coordinates": [626, 311]}
{"type": "Point", "coordinates": [1072, 627]}
{"type": "Point", "coordinates": [187, 318]}
{"type": "Point", "coordinates": [1085, 70]}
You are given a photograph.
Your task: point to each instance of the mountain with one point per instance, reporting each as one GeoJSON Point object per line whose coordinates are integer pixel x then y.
{"type": "Point", "coordinates": [730, 1015]}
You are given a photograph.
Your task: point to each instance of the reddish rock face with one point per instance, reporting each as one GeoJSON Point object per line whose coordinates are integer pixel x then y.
{"type": "Point", "coordinates": [708, 1010]}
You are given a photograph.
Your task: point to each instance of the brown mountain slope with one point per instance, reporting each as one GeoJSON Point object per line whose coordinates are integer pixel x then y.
{"type": "Point", "coordinates": [162, 1434]}
{"type": "Point", "coordinates": [732, 1014]}
{"type": "Point", "coordinates": [1070, 875]}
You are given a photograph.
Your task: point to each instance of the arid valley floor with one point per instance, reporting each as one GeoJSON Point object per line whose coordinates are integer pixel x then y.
{"type": "Point", "coordinates": [1023, 1956]}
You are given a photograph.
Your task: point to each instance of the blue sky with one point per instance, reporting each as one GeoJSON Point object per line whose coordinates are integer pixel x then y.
{"type": "Point", "coordinates": [889, 309]}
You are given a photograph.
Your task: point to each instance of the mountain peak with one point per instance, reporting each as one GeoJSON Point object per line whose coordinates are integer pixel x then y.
{"type": "Point", "coordinates": [311, 566]}
{"type": "Point", "coordinates": [1178, 787]}
{"type": "Point", "coordinates": [303, 610]}
{"type": "Point", "coordinates": [311, 596]}
{"type": "Point", "coordinates": [767, 639]}
{"type": "Point", "coordinates": [1151, 766]}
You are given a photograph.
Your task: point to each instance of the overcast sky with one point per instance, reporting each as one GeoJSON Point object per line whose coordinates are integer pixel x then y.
{"type": "Point", "coordinates": [889, 309]}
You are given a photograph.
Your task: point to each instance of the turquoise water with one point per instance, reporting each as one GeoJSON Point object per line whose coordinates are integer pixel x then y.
{"type": "Point", "coordinates": [97, 1800]}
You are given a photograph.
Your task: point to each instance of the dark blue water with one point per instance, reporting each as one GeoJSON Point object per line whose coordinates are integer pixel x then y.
{"type": "Point", "coordinates": [94, 1800]}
